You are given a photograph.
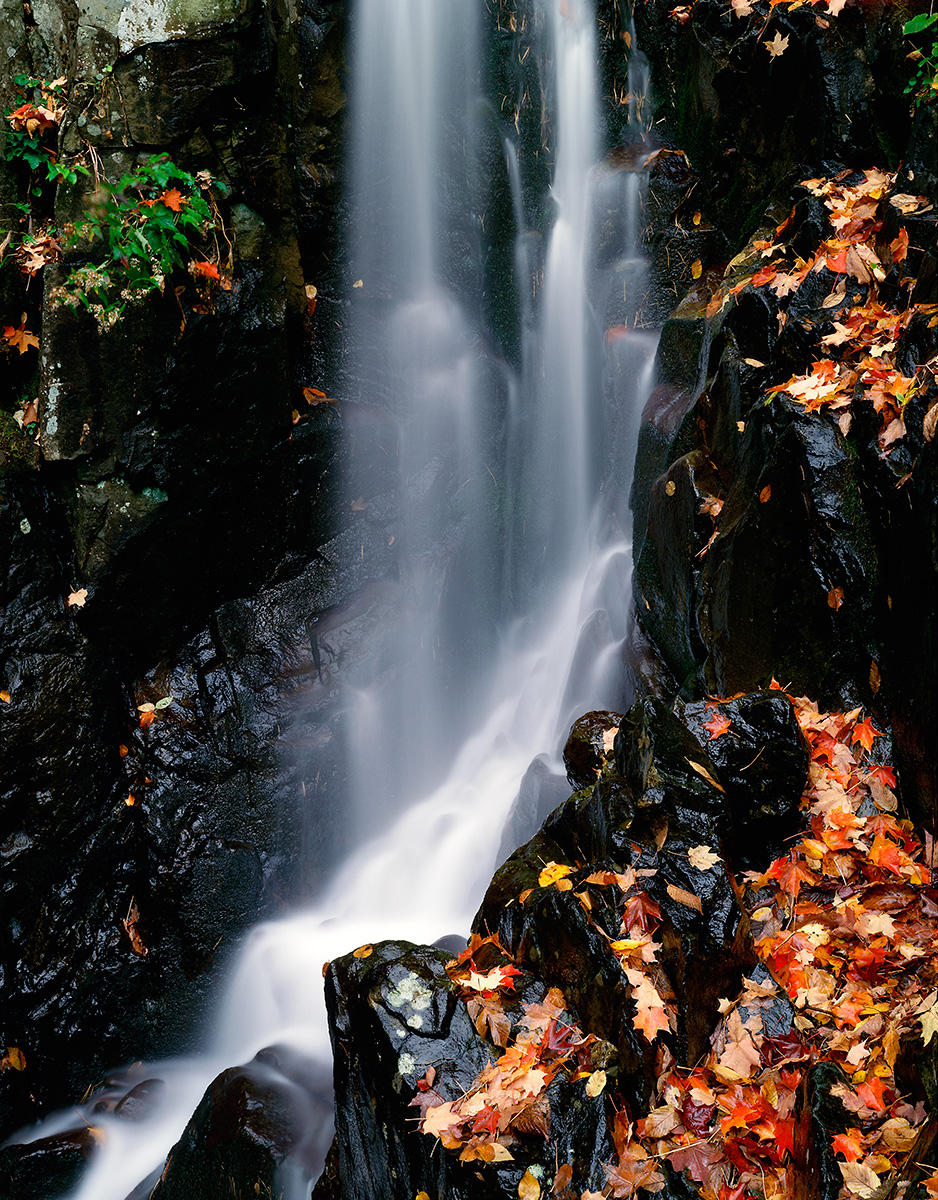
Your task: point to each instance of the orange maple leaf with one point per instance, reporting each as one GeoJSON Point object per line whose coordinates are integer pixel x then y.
{"type": "Point", "coordinates": [790, 873]}
{"type": "Point", "coordinates": [848, 1144]}
{"type": "Point", "coordinates": [718, 723]}
{"type": "Point", "coordinates": [871, 1093]}
{"type": "Point", "coordinates": [864, 733]}
{"type": "Point", "coordinates": [173, 199]}
{"type": "Point", "coordinates": [204, 268]}
{"type": "Point", "coordinates": [19, 336]}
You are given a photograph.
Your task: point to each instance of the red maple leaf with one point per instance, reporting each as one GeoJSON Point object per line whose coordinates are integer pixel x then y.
{"type": "Point", "coordinates": [486, 1121]}
{"type": "Point", "coordinates": [642, 911]}
{"type": "Point", "coordinates": [885, 775]}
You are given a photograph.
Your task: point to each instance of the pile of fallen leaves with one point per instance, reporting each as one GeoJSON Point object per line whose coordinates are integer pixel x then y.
{"type": "Point", "coordinates": [765, 8]}
{"type": "Point", "coordinates": [858, 358]}
{"type": "Point", "coordinates": [509, 1097]}
{"type": "Point", "coordinates": [843, 926]}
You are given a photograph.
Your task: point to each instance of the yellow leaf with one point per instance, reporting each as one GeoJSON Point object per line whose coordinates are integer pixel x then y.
{"type": "Point", "coordinates": [529, 1188]}
{"type": "Point", "coordinates": [421, 1196]}
{"type": "Point", "coordinates": [696, 269]}
{"type": "Point", "coordinates": [551, 873]}
{"type": "Point", "coordinates": [705, 774]}
{"type": "Point", "coordinates": [13, 1060]}
{"type": "Point", "coordinates": [595, 1083]}
{"type": "Point", "coordinates": [5, 697]}
{"type": "Point", "coordinates": [363, 951]}
{"type": "Point", "coordinates": [696, 218]}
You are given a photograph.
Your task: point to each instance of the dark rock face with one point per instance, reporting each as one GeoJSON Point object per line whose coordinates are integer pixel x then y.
{"type": "Point", "coordinates": [256, 1127]}
{"type": "Point", "coordinates": [798, 575]}
{"type": "Point", "coordinates": [392, 1016]}
{"type": "Point", "coordinates": [46, 1168]}
{"type": "Point", "coordinates": [584, 750]}
{"type": "Point", "coordinates": [166, 447]}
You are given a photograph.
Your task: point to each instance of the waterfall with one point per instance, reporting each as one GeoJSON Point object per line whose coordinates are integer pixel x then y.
{"type": "Point", "coordinates": [442, 736]}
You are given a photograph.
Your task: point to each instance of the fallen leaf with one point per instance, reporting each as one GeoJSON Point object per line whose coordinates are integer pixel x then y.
{"type": "Point", "coordinates": [930, 423]}
{"type": "Point", "coordinates": [13, 1060]}
{"type": "Point", "coordinates": [363, 951]}
{"type": "Point", "coordinates": [551, 873]}
{"type": "Point", "coordinates": [742, 8]}
{"type": "Point", "coordinates": [563, 1178]}
{"type": "Point", "coordinates": [705, 774]}
{"type": "Point", "coordinates": [19, 336]}
{"type": "Point", "coordinates": [77, 599]}
{"type": "Point", "coordinates": [528, 1187]}
{"type": "Point", "coordinates": [5, 697]}
{"type": "Point", "coordinates": [875, 677]}
{"type": "Point", "coordinates": [835, 597]}
{"type": "Point", "coordinates": [131, 925]}
{"type": "Point", "coordinates": [173, 199]}
{"type": "Point", "coordinates": [703, 858]}
{"type": "Point", "coordinates": [595, 1083]}
{"type": "Point", "coordinates": [696, 269]}
{"type": "Point", "coordinates": [688, 899]}
{"type": "Point", "coordinates": [670, 488]}
{"type": "Point", "coordinates": [765, 494]}
{"type": "Point", "coordinates": [777, 46]}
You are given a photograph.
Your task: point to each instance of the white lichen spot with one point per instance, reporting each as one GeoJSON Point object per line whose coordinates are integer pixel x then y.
{"type": "Point", "coordinates": [406, 1064]}
{"type": "Point", "coordinates": [415, 1021]}
{"type": "Point", "coordinates": [25, 526]}
{"type": "Point", "coordinates": [411, 991]}
{"type": "Point", "coordinates": [143, 21]}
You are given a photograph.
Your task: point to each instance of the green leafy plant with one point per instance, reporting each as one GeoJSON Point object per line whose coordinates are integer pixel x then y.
{"type": "Point", "coordinates": [923, 84]}
{"type": "Point", "coordinates": [153, 221]}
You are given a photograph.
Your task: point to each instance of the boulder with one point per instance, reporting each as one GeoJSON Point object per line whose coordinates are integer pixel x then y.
{"type": "Point", "coordinates": [256, 1126]}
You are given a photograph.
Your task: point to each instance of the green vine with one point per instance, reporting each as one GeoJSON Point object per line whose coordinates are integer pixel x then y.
{"type": "Point", "coordinates": [923, 85]}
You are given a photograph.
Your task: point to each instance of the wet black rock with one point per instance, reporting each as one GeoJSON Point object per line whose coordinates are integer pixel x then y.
{"type": "Point", "coordinates": [762, 762]}
{"type": "Point", "coordinates": [258, 1128]}
{"type": "Point", "coordinates": [393, 1015]}
{"type": "Point", "coordinates": [46, 1169]}
{"type": "Point", "coordinates": [585, 747]}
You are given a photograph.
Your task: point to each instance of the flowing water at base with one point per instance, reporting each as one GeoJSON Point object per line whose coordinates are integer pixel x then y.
{"type": "Point", "coordinates": [560, 606]}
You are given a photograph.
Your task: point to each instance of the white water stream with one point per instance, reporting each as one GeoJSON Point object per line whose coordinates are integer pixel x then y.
{"type": "Point", "coordinates": [556, 649]}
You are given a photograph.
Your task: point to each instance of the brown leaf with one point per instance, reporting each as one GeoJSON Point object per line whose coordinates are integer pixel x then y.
{"type": "Point", "coordinates": [535, 1118]}
{"type": "Point", "coordinates": [132, 928]}
{"type": "Point", "coordinates": [563, 1178]}
{"type": "Point", "coordinates": [930, 423]}
{"type": "Point", "coordinates": [875, 678]}
{"type": "Point", "coordinates": [688, 899]}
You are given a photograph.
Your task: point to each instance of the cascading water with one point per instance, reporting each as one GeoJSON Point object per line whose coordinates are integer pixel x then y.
{"type": "Point", "coordinates": [436, 767]}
